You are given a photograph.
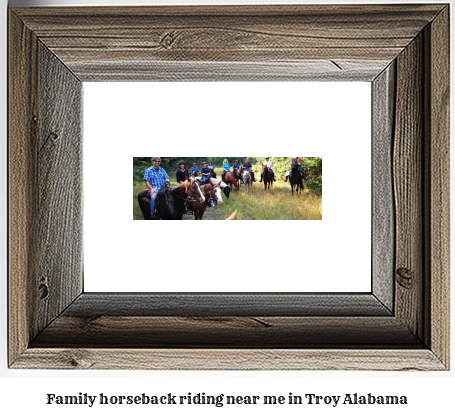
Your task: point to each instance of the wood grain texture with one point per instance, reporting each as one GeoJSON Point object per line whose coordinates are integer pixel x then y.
{"type": "Point", "coordinates": [22, 173]}
{"type": "Point", "coordinates": [408, 188]}
{"type": "Point", "coordinates": [383, 215]}
{"type": "Point", "coordinates": [307, 70]}
{"type": "Point", "coordinates": [187, 359]}
{"type": "Point", "coordinates": [255, 332]}
{"type": "Point", "coordinates": [213, 305]}
{"type": "Point", "coordinates": [58, 225]}
{"type": "Point", "coordinates": [438, 255]}
{"type": "Point", "coordinates": [227, 34]}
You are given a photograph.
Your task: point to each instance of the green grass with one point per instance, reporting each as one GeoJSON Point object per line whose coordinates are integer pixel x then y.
{"type": "Point", "coordinates": [276, 204]}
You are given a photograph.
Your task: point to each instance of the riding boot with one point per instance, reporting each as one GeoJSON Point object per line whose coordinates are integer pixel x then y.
{"type": "Point", "coordinates": [286, 179]}
{"type": "Point", "coordinates": [273, 176]}
{"type": "Point", "coordinates": [262, 174]}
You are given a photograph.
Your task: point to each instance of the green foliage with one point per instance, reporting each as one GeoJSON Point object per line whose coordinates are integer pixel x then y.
{"type": "Point", "coordinates": [313, 170]}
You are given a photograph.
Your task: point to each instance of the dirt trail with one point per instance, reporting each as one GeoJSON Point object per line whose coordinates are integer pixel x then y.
{"type": "Point", "coordinates": [210, 214]}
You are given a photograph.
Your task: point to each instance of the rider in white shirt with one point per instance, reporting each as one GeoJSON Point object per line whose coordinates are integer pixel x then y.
{"type": "Point", "coordinates": [268, 164]}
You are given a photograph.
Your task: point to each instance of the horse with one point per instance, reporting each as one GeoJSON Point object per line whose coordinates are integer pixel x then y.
{"type": "Point", "coordinates": [172, 204]}
{"type": "Point", "coordinates": [295, 178]}
{"type": "Point", "coordinates": [195, 174]}
{"type": "Point", "coordinates": [210, 191]}
{"type": "Point", "coordinates": [267, 178]}
{"type": "Point", "coordinates": [231, 180]}
{"type": "Point", "coordinates": [238, 174]}
{"type": "Point", "coordinates": [226, 189]}
{"type": "Point", "coordinates": [247, 180]}
{"type": "Point", "coordinates": [212, 173]}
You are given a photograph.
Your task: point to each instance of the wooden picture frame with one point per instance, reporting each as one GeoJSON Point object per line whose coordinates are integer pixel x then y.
{"type": "Point", "coordinates": [403, 324]}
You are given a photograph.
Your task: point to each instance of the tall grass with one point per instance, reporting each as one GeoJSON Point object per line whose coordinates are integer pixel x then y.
{"type": "Point", "coordinates": [276, 204]}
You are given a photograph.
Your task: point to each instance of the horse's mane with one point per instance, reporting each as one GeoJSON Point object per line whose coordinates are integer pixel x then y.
{"type": "Point", "coordinates": [185, 185]}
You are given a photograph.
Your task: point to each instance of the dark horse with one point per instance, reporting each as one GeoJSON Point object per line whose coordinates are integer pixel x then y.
{"type": "Point", "coordinates": [268, 179]}
{"type": "Point", "coordinates": [295, 178]}
{"type": "Point", "coordinates": [172, 205]}
{"type": "Point", "coordinates": [210, 191]}
{"type": "Point", "coordinates": [229, 178]}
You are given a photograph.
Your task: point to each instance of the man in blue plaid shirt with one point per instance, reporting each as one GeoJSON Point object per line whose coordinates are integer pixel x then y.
{"type": "Point", "coordinates": [155, 177]}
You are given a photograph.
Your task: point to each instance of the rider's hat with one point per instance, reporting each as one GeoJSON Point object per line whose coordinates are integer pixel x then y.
{"type": "Point", "coordinates": [267, 158]}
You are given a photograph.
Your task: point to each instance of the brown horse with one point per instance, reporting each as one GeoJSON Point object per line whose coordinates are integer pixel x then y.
{"type": "Point", "coordinates": [172, 205]}
{"type": "Point", "coordinates": [238, 175]}
{"type": "Point", "coordinates": [210, 191]}
{"type": "Point", "coordinates": [229, 178]}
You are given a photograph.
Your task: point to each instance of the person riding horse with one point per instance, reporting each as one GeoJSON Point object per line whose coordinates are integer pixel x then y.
{"type": "Point", "coordinates": [155, 177]}
{"type": "Point", "coordinates": [247, 165]}
{"type": "Point", "coordinates": [212, 170]}
{"type": "Point", "coordinates": [302, 172]}
{"type": "Point", "coordinates": [235, 166]}
{"type": "Point", "coordinates": [226, 168]}
{"type": "Point", "coordinates": [182, 173]}
{"type": "Point", "coordinates": [205, 172]}
{"type": "Point", "coordinates": [194, 169]}
{"type": "Point", "coordinates": [268, 164]}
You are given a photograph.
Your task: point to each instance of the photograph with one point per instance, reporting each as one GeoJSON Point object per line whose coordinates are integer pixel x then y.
{"type": "Point", "coordinates": [231, 188]}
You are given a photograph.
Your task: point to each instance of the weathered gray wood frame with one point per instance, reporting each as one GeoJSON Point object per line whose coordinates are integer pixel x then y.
{"type": "Point", "coordinates": [403, 50]}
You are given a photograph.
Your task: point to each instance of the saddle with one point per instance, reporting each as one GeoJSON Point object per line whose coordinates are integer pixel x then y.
{"type": "Point", "coordinates": [161, 194]}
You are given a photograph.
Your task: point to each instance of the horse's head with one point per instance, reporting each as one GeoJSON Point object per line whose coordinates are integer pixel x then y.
{"type": "Point", "coordinates": [246, 175]}
{"type": "Point", "coordinates": [294, 163]}
{"type": "Point", "coordinates": [216, 193]}
{"type": "Point", "coordinates": [193, 190]}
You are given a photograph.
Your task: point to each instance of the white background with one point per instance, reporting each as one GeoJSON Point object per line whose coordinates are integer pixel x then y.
{"type": "Point", "coordinates": [329, 120]}
{"type": "Point", "coordinates": [24, 391]}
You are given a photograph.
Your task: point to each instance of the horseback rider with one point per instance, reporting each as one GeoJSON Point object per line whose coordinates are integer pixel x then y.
{"type": "Point", "coordinates": [247, 165]}
{"type": "Point", "coordinates": [205, 173]}
{"type": "Point", "coordinates": [212, 170]}
{"type": "Point", "coordinates": [182, 173]}
{"type": "Point", "coordinates": [226, 168]}
{"type": "Point", "coordinates": [155, 177]}
{"type": "Point", "coordinates": [302, 172]}
{"type": "Point", "coordinates": [194, 169]}
{"type": "Point", "coordinates": [268, 164]}
{"type": "Point", "coordinates": [235, 166]}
